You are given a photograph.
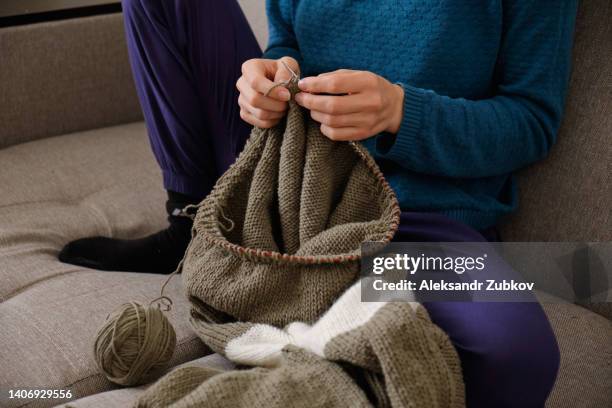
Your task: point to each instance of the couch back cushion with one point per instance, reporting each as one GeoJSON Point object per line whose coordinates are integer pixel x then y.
{"type": "Point", "coordinates": [255, 12]}
{"type": "Point", "coordinates": [64, 76]}
{"type": "Point", "coordinates": [568, 196]}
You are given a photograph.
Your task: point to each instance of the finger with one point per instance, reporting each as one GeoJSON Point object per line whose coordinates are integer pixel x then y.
{"type": "Point", "coordinates": [345, 81]}
{"type": "Point", "coordinates": [249, 118]}
{"type": "Point", "coordinates": [332, 104]}
{"type": "Point", "coordinates": [344, 133]}
{"type": "Point", "coordinates": [258, 100]}
{"type": "Point", "coordinates": [256, 76]}
{"type": "Point", "coordinates": [338, 71]}
{"type": "Point", "coordinates": [348, 120]}
{"type": "Point", "coordinates": [258, 113]}
{"type": "Point", "coordinates": [284, 74]}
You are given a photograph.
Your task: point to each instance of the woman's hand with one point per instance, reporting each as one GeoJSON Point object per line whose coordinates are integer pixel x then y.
{"type": "Point", "coordinates": [363, 104]}
{"type": "Point", "coordinates": [258, 76]}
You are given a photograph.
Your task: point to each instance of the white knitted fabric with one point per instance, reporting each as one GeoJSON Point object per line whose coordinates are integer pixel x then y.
{"type": "Point", "coordinates": [262, 344]}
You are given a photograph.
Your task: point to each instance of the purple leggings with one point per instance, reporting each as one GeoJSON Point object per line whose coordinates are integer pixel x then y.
{"type": "Point", "coordinates": [186, 58]}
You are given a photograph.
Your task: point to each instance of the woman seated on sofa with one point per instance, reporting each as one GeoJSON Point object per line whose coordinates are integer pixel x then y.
{"type": "Point", "coordinates": [450, 97]}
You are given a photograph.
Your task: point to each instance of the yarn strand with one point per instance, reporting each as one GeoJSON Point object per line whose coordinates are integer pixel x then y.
{"type": "Point", "coordinates": [163, 300]}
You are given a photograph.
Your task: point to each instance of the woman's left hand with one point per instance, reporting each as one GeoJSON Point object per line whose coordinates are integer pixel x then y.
{"type": "Point", "coordinates": [352, 105]}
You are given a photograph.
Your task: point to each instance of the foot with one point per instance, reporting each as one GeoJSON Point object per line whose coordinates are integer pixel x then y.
{"type": "Point", "coordinates": [157, 253]}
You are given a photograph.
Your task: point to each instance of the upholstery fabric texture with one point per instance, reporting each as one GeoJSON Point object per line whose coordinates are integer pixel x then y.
{"type": "Point", "coordinates": [52, 195]}
{"type": "Point", "coordinates": [567, 196]}
{"type": "Point", "coordinates": [49, 311]}
{"type": "Point", "coordinates": [64, 76]}
{"type": "Point", "coordinates": [585, 344]}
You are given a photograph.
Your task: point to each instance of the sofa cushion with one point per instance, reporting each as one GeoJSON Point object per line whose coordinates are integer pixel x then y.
{"type": "Point", "coordinates": [53, 191]}
{"type": "Point", "coordinates": [49, 330]}
{"type": "Point", "coordinates": [567, 196]}
{"type": "Point", "coordinates": [101, 182]}
{"type": "Point", "coordinates": [64, 76]}
{"type": "Point", "coordinates": [585, 342]}
{"type": "Point", "coordinates": [255, 12]}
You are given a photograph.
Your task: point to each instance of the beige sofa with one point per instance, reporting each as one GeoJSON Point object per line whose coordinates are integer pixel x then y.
{"type": "Point", "coordinates": [74, 162]}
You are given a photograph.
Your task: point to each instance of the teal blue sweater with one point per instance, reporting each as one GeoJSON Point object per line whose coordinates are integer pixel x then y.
{"type": "Point", "coordinates": [484, 82]}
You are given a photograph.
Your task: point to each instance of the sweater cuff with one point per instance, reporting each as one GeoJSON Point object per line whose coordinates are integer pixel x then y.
{"type": "Point", "coordinates": [402, 145]}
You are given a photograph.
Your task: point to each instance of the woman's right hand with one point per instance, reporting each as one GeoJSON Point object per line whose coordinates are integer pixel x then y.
{"type": "Point", "coordinates": [258, 76]}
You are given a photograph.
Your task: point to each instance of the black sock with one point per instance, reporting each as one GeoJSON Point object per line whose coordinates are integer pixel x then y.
{"type": "Point", "coordinates": [157, 253]}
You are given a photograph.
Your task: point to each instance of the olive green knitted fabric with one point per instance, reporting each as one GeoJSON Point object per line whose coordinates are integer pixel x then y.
{"type": "Point", "coordinates": [278, 238]}
{"type": "Point", "coordinates": [377, 355]}
{"type": "Point", "coordinates": [304, 380]}
{"type": "Point", "coordinates": [272, 275]}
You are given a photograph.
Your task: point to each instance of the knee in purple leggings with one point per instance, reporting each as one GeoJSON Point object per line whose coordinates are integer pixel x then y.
{"type": "Point", "coordinates": [508, 351]}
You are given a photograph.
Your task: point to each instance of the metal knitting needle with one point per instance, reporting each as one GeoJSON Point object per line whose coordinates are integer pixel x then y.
{"type": "Point", "coordinates": [294, 75]}
{"type": "Point", "coordinates": [294, 78]}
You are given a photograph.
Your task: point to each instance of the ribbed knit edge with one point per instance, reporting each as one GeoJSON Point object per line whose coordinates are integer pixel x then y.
{"type": "Point", "coordinates": [408, 136]}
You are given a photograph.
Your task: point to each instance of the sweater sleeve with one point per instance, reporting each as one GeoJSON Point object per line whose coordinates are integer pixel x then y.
{"type": "Point", "coordinates": [461, 138]}
{"type": "Point", "coordinates": [281, 38]}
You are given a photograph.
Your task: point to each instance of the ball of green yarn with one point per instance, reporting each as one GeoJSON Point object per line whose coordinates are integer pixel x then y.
{"type": "Point", "coordinates": [134, 342]}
